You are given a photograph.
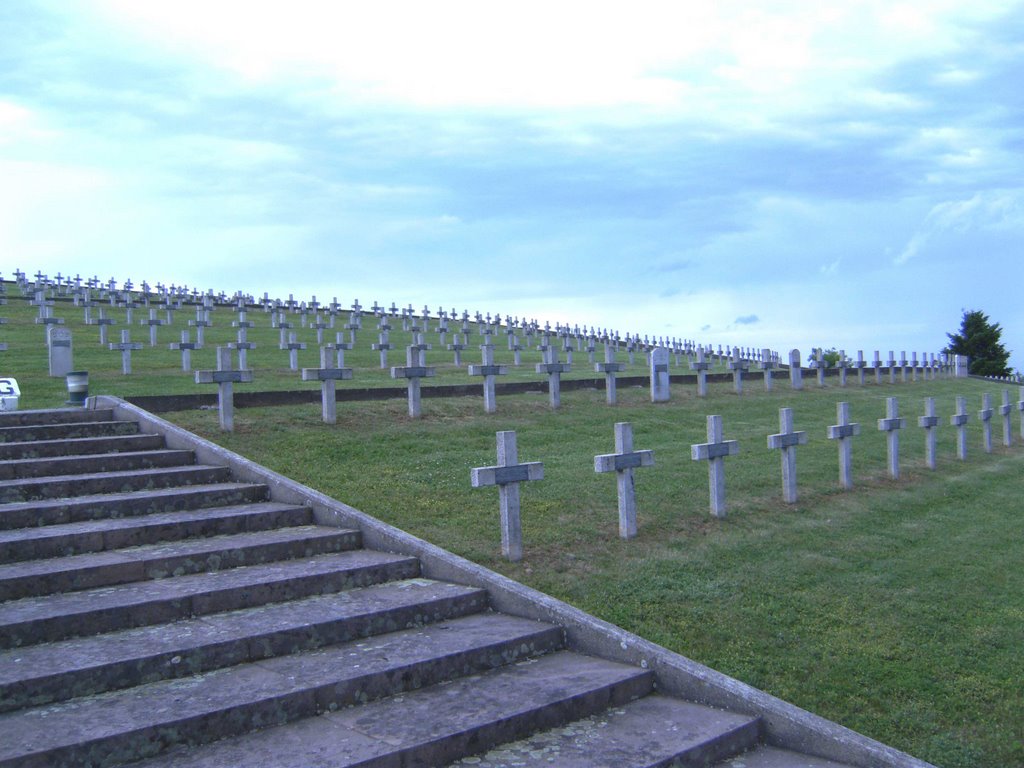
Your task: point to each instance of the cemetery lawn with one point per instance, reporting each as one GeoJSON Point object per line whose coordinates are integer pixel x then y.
{"type": "Point", "coordinates": [896, 608]}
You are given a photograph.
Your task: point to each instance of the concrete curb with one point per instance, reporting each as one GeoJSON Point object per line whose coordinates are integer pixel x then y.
{"type": "Point", "coordinates": [784, 725]}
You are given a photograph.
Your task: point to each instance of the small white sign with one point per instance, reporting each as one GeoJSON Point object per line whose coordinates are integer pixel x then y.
{"type": "Point", "coordinates": [10, 392]}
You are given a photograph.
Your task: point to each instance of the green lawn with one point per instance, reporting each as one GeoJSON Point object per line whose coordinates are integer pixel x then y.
{"type": "Point", "coordinates": [896, 608]}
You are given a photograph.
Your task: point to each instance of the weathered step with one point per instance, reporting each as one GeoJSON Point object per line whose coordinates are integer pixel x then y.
{"type": "Point", "coordinates": [63, 486]}
{"type": "Point", "coordinates": [64, 431]}
{"type": "Point", "coordinates": [145, 603]}
{"type": "Point", "coordinates": [147, 719]}
{"type": "Point", "coordinates": [19, 469]}
{"type": "Point", "coordinates": [158, 561]}
{"type": "Point", "coordinates": [435, 725]}
{"type": "Point", "coordinates": [42, 674]}
{"type": "Point", "coordinates": [42, 512]}
{"type": "Point", "coordinates": [80, 446]}
{"type": "Point", "coordinates": [53, 416]}
{"type": "Point", "coordinates": [772, 757]}
{"type": "Point", "coordinates": [653, 731]}
{"type": "Point", "coordinates": [47, 541]}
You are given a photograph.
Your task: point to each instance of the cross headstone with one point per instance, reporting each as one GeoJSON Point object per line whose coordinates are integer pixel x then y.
{"type": "Point", "coordinates": [327, 376]}
{"type": "Point", "coordinates": [507, 475]}
{"type": "Point", "coordinates": [892, 367]}
{"type": "Point", "coordinates": [842, 365]}
{"type": "Point", "coordinates": [609, 368]}
{"type": "Point", "coordinates": [929, 422]}
{"type": "Point", "coordinates": [737, 365]}
{"type": "Point", "coordinates": [382, 346]}
{"type": "Point", "coordinates": [293, 348]}
{"type": "Point", "coordinates": [224, 378]}
{"type": "Point", "coordinates": [701, 366]}
{"type": "Point", "coordinates": [891, 425]}
{"type": "Point", "coordinates": [340, 347]}
{"type": "Point", "coordinates": [413, 371]}
{"type": "Point", "coordinates": [861, 364]}
{"type": "Point", "coordinates": [623, 462]}
{"type": "Point", "coordinates": [488, 370]}
{"type": "Point", "coordinates": [186, 348]}
{"type": "Point", "coordinates": [153, 322]}
{"type": "Point", "coordinates": [959, 420]}
{"type": "Point", "coordinates": [125, 347]}
{"type": "Point", "coordinates": [714, 452]}
{"type": "Point", "coordinates": [1005, 411]}
{"type": "Point", "coordinates": [1020, 408]}
{"type": "Point", "coordinates": [766, 365]}
{"type": "Point", "coordinates": [554, 369]}
{"type": "Point", "coordinates": [842, 432]}
{"type": "Point", "coordinates": [985, 414]}
{"type": "Point", "coordinates": [878, 367]}
{"type": "Point", "coordinates": [903, 366]}
{"type": "Point", "coordinates": [660, 388]}
{"type": "Point", "coordinates": [457, 346]}
{"type": "Point", "coordinates": [820, 365]}
{"type": "Point", "coordinates": [786, 441]}
{"type": "Point", "coordinates": [58, 342]}
{"type": "Point", "coordinates": [796, 380]}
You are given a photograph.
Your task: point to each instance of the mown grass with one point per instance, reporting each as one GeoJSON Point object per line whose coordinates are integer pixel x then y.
{"type": "Point", "coordinates": [896, 608]}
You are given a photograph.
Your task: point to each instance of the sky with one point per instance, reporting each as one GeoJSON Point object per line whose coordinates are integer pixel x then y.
{"type": "Point", "coordinates": [780, 174]}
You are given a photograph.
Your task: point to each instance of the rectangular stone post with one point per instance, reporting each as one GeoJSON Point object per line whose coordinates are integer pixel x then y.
{"type": "Point", "coordinates": [714, 451]}
{"type": "Point", "coordinates": [891, 425]}
{"type": "Point", "coordinates": [842, 432]}
{"type": "Point", "coordinates": [929, 422]}
{"type": "Point", "coordinates": [985, 414]}
{"type": "Point", "coordinates": [1005, 411]}
{"type": "Point", "coordinates": [507, 475]}
{"type": "Point", "coordinates": [60, 351]}
{"type": "Point", "coordinates": [623, 462]}
{"type": "Point", "coordinates": [786, 441]}
{"type": "Point", "coordinates": [959, 420]}
{"type": "Point", "coordinates": [1020, 408]}
{"type": "Point", "coordinates": [660, 390]}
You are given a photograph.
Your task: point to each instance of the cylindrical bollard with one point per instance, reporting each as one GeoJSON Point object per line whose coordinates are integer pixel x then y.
{"type": "Point", "coordinates": [78, 387]}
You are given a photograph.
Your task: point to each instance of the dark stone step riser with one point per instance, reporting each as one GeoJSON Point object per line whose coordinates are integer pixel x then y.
{"type": "Point", "coordinates": [725, 745]}
{"type": "Point", "coordinates": [330, 695]}
{"type": "Point", "coordinates": [83, 465]}
{"type": "Point", "coordinates": [128, 506]}
{"type": "Point", "coordinates": [85, 485]}
{"type": "Point", "coordinates": [67, 431]}
{"type": "Point", "coordinates": [83, 446]}
{"type": "Point", "coordinates": [68, 544]}
{"type": "Point", "coordinates": [110, 574]}
{"type": "Point", "coordinates": [197, 660]}
{"type": "Point", "coordinates": [63, 416]}
{"type": "Point", "coordinates": [214, 601]}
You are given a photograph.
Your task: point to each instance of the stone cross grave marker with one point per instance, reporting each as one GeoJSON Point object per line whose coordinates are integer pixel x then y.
{"type": "Point", "coordinates": [243, 346]}
{"type": "Point", "coordinates": [861, 364]}
{"type": "Point", "coordinates": [327, 376]}
{"type": "Point", "coordinates": [843, 365]}
{"type": "Point", "coordinates": [382, 346]}
{"type": "Point", "coordinates": [488, 370]}
{"type": "Point", "coordinates": [340, 346]}
{"type": "Point", "coordinates": [609, 368]}
{"type": "Point", "coordinates": [766, 365]}
{"type": "Point", "coordinates": [125, 347]}
{"type": "Point", "coordinates": [959, 420]}
{"type": "Point", "coordinates": [786, 441]}
{"type": "Point", "coordinates": [201, 323]}
{"type": "Point", "coordinates": [660, 389]}
{"type": "Point", "coordinates": [929, 422]}
{"type": "Point", "coordinates": [554, 369]}
{"type": "Point", "coordinates": [842, 432]}
{"type": "Point", "coordinates": [1020, 408]}
{"type": "Point", "coordinates": [796, 380]}
{"type": "Point", "coordinates": [892, 367]}
{"type": "Point", "coordinates": [153, 322]}
{"type": "Point", "coordinates": [623, 462]}
{"type": "Point", "coordinates": [891, 425]}
{"type": "Point", "coordinates": [985, 414]}
{"type": "Point", "coordinates": [457, 346]}
{"type": "Point", "coordinates": [507, 475]}
{"type": "Point", "coordinates": [903, 366]}
{"type": "Point", "coordinates": [293, 348]}
{"type": "Point", "coordinates": [714, 452]}
{"type": "Point", "coordinates": [58, 343]}
{"type": "Point", "coordinates": [737, 365]}
{"type": "Point", "coordinates": [877, 363]}
{"type": "Point", "coordinates": [225, 379]}
{"type": "Point", "coordinates": [186, 348]}
{"type": "Point", "coordinates": [413, 371]}
{"type": "Point", "coordinates": [701, 366]}
{"type": "Point", "coordinates": [913, 366]}
{"type": "Point", "coordinates": [1005, 411]}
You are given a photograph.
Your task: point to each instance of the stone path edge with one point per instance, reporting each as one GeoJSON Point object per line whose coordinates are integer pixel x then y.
{"type": "Point", "coordinates": [784, 725]}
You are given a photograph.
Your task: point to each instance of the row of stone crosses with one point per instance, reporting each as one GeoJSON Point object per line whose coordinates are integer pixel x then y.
{"type": "Point", "coordinates": [91, 295]}
{"type": "Point", "coordinates": [509, 472]}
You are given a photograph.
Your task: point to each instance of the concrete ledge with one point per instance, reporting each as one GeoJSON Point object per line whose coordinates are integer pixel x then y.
{"type": "Point", "coordinates": [784, 725]}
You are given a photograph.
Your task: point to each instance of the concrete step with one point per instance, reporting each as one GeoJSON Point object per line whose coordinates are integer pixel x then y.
{"type": "Point", "coordinates": [36, 468]}
{"type": "Point", "coordinates": [63, 486]}
{"type": "Point", "coordinates": [435, 725]}
{"type": "Point", "coordinates": [42, 674]}
{"type": "Point", "coordinates": [159, 561]}
{"type": "Point", "coordinates": [43, 512]}
{"type": "Point", "coordinates": [79, 446]}
{"type": "Point", "coordinates": [21, 544]}
{"type": "Point", "coordinates": [65, 431]}
{"type": "Point", "coordinates": [30, 418]}
{"type": "Point", "coordinates": [653, 731]}
{"type": "Point", "coordinates": [772, 757]}
{"type": "Point", "coordinates": [148, 719]}
{"type": "Point", "coordinates": [145, 603]}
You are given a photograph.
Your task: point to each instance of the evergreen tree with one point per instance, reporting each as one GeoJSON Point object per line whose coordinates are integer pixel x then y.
{"type": "Point", "coordinates": [979, 340]}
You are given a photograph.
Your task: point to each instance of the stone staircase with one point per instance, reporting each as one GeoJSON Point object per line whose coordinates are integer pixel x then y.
{"type": "Point", "coordinates": [162, 611]}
